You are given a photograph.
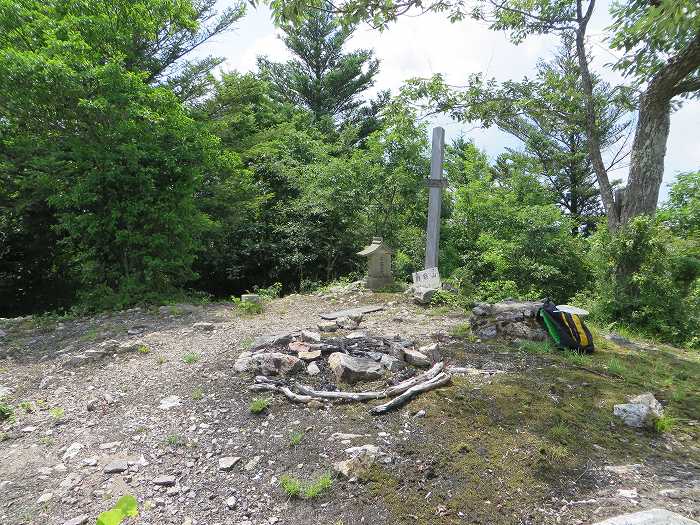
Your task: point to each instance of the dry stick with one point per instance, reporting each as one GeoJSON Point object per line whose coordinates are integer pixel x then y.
{"type": "Point", "coordinates": [365, 396]}
{"type": "Point", "coordinates": [270, 387]}
{"type": "Point", "coordinates": [436, 382]}
{"type": "Point", "coordinates": [472, 371]}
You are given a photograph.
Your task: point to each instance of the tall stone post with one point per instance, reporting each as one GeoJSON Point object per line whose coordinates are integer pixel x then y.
{"type": "Point", "coordinates": [435, 185]}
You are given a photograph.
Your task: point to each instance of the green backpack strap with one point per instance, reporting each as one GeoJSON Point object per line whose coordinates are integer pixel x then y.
{"type": "Point", "coordinates": [550, 325]}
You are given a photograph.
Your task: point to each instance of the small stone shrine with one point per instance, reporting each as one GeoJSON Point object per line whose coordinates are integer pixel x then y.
{"type": "Point", "coordinates": [378, 264]}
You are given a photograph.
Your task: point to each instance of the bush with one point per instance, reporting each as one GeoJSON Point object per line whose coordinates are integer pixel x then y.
{"type": "Point", "coordinates": [647, 277]}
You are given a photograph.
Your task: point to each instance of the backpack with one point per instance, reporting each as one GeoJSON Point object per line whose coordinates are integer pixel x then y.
{"type": "Point", "coordinates": [567, 330]}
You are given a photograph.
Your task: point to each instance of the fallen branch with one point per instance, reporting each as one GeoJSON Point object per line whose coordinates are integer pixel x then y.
{"type": "Point", "coordinates": [271, 387]}
{"type": "Point", "coordinates": [366, 396]}
{"type": "Point", "coordinates": [469, 371]}
{"type": "Point", "coordinates": [436, 382]}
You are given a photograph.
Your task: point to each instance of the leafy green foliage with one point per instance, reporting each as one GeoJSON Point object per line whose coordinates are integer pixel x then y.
{"type": "Point", "coordinates": [504, 238]}
{"type": "Point", "coordinates": [126, 507]}
{"type": "Point", "coordinates": [247, 307]}
{"type": "Point", "coordinates": [661, 294]}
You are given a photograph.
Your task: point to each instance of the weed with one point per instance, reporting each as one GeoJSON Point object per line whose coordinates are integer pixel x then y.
{"type": "Point", "coordinates": [190, 358]}
{"type": "Point", "coordinates": [271, 292]}
{"type": "Point", "coordinates": [462, 330]}
{"type": "Point", "coordinates": [577, 358]}
{"type": "Point", "coordinates": [247, 307]}
{"type": "Point", "coordinates": [174, 440]}
{"type": "Point", "coordinates": [127, 506]}
{"type": "Point", "coordinates": [555, 453]}
{"type": "Point", "coordinates": [28, 407]}
{"type": "Point", "coordinates": [57, 412]}
{"type": "Point", "coordinates": [664, 424]}
{"type": "Point", "coordinates": [46, 440]}
{"type": "Point", "coordinates": [90, 335]}
{"type": "Point", "coordinates": [175, 310]}
{"type": "Point", "coordinates": [197, 394]}
{"type": "Point", "coordinates": [291, 486]}
{"type": "Point", "coordinates": [246, 343]}
{"type": "Point", "coordinates": [559, 432]}
{"type": "Point", "coordinates": [617, 368]}
{"type": "Point", "coordinates": [259, 405]}
{"type": "Point", "coordinates": [161, 360]}
{"type": "Point", "coordinates": [536, 347]}
{"type": "Point", "coordinates": [3, 437]}
{"type": "Point", "coordinates": [295, 438]}
{"type": "Point", "coordinates": [318, 487]}
{"type": "Point", "coordinates": [294, 488]}
{"type": "Point", "coordinates": [679, 393]}
{"type": "Point", "coordinates": [143, 349]}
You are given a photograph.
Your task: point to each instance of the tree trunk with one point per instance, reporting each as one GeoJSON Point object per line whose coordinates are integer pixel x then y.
{"type": "Point", "coordinates": [647, 163]}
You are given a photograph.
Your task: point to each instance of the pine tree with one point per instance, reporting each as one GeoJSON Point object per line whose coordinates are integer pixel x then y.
{"type": "Point", "coordinates": [321, 77]}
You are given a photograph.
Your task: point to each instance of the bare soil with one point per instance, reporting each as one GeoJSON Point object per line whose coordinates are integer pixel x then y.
{"type": "Point", "coordinates": [536, 444]}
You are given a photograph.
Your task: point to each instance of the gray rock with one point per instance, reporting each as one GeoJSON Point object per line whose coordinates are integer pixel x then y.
{"type": "Point", "coordinates": [251, 298]}
{"type": "Point", "coordinates": [424, 295]}
{"type": "Point", "coordinates": [486, 332]}
{"type": "Point", "coordinates": [253, 463]}
{"type": "Point", "coordinates": [169, 402]}
{"type": "Point", "coordinates": [231, 502]}
{"type": "Point", "coordinates": [391, 363]}
{"type": "Point", "coordinates": [346, 323]}
{"type": "Point", "coordinates": [269, 364]}
{"type": "Point", "coordinates": [204, 327]}
{"type": "Point", "coordinates": [128, 347]}
{"type": "Point", "coordinates": [313, 369]}
{"type": "Point", "coordinates": [76, 360]}
{"type": "Point", "coordinates": [649, 517]}
{"type": "Point", "coordinates": [72, 450]}
{"type": "Point", "coordinates": [432, 351]}
{"type": "Point", "coordinates": [116, 466]}
{"type": "Point", "coordinates": [44, 498]}
{"type": "Point", "coordinates": [227, 463]}
{"type": "Point", "coordinates": [270, 340]}
{"type": "Point", "coordinates": [6, 391]}
{"type": "Point", "coordinates": [310, 337]}
{"type": "Point", "coordinates": [327, 326]}
{"type": "Point", "coordinates": [351, 370]}
{"type": "Point", "coordinates": [164, 481]}
{"type": "Point", "coordinates": [79, 520]}
{"type": "Point", "coordinates": [641, 411]}
{"type": "Point", "coordinates": [356, 335]}
{"type": "Point", "coordinates": [310, 355]}
{"type": "Point", "coordinates": [416, 358]}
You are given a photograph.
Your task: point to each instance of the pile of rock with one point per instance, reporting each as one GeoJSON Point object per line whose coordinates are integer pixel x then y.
{"type": "Point", "coordinates": [507, 320]}
{"type": "Point", "coordinates": [353, 358]}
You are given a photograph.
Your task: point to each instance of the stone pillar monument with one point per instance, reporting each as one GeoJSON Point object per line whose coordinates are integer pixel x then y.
{"type": "Point", "coordinates": [435, 185]}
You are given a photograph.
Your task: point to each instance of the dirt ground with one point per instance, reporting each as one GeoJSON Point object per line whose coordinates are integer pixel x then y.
{"type": "Point", "coordinates": [537, 444]}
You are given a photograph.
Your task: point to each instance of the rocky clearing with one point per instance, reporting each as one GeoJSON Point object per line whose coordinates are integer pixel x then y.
{"type": "Point", "coordinates": [164, 416]}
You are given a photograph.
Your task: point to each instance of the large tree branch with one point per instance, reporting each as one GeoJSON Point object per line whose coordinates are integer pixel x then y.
{"type": "Point", "coordinates": [671, 79]}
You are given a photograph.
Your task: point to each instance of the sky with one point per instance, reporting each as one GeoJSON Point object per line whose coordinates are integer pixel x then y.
{"type": "Point", "coordinates": [421, 46]}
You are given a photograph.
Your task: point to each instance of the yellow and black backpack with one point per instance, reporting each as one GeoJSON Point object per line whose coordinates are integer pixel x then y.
{"type": "Point", "coordinates": [567, 330]}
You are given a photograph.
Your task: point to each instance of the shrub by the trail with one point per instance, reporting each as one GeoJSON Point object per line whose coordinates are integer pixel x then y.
{"type": "Point", "coordinates": [648, 277]}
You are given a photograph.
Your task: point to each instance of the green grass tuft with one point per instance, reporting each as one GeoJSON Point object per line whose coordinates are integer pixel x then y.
{"type": "Point", "coordinates": [664, 424]}
{"type": "Point", "coordinates": [197, 393]}
{"type": "Point", "coordinates": [295, 438]}
{"type": "Point", "coordinates": [259, 405]}
{"type": "Point", "coordinates": [190, 358]}
{"type": "Point", "coordinates": [294, 488]}
{"type": "Point", "coordinates": [6, 412]}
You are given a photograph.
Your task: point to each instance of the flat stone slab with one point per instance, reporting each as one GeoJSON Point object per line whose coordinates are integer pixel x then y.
{"type": "Point", "coordinates": [649, 517]}
{"type": "Point", "coordinates": [352, 312]}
